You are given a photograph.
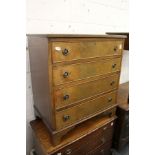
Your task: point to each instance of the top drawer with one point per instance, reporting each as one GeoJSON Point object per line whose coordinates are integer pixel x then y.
{"type": "Point", "coordinates": [67, 51]}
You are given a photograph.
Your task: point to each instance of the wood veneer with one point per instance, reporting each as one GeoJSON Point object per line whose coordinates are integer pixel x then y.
{"type": "Point", "coordinates": [62, 62]}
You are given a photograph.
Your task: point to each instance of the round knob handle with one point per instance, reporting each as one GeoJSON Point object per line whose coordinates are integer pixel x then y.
{"type": "Point", "coordinates": [65, 52]}
{"type": "Point", "coordinates": [113, 65]}
{"type": "Point", "coordinates": [66, 117]}
{"type": "Point", "coordinates": [115, 48]}
{"type": "Point", "coordinates": [68, 151]}
{"type": "Point", "coordinates": [112, 83]}
{"type": "Point", "coordinates": [66, 97]}
{"type": "Point", "coordinates": [65, 75]}
{"type": "Point", "coordinates": [109, 99]}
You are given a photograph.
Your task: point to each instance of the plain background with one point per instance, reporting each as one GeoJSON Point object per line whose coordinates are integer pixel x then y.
{"type": "Point", "coordinates": [13, 77]}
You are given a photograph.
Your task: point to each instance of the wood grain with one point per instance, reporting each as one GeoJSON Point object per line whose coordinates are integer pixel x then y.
{"type": "Point", "coordinates": [103, 149]}
{"type": "Point", "coordinates": [38, 51]}
{"type": "Point", "coordinates": [92, 63]}
{"type": "Point", "coordinates": [85, 70]}
{"type": "Point", "coordinates": [84, 110]}
{"type": "Point", "coordinates": [43, 137]}
{"type": "Point", "coordinates": [78, 92]}
{"type": "Point", "coordinates": [89, 143]}
{"type": "Point", "coordinates": [85, 49]}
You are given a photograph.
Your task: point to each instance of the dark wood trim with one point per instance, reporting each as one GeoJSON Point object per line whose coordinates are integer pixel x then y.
{"type": "Point", "coordinates": [126, 44]}
{"type": "Point", "coordinates": [43, 137]}
{"type": "Point", "coordinates": [77, 35]}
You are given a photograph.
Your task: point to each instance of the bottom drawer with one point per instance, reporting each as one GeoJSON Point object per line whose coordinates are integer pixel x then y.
{"type": "Point", "coordinates": [85, 110]}
{"type": "Point", "coordinates": [98, 138]}
{"type": "Point", "coordinates": [104, 149]}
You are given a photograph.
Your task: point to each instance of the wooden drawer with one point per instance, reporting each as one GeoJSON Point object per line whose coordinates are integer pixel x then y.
{"type": "Point", "coordinates": [103, 149]}
{"type": "Point", "coordinates": [67, 51]}
{"type": "Point", "coordinates": [66, 95]}
{"type": "Point", "coordinates": [83, 138]}
{"type": "Point", "coordinates": [87, 144]}
{"type": "Point", "coordinates": [85, 110]}
{"type": "Point", "coordinates": [74, 72]}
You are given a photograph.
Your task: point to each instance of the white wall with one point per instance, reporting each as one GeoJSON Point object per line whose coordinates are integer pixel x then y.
{"type": "Point", "coordinates": [73, 16]}
{"type": "Point", "coordinates": [77, 16]}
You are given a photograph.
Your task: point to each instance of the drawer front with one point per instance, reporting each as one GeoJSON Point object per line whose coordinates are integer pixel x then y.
{"type": "Point", "coordinates": [89, 142]}
{"type": "Point", "coordinates": [79, 112]}
{"type": "Point", "coordinates": [67, 51]}
{"type": "Point", "coordinates": [74, 72]}
{"type": "Point", "coordinates": [102, 150]}
{"type": "Point", "coordinates": [68, 95]}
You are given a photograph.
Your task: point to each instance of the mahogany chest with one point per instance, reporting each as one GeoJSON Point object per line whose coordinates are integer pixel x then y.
{"type": "Point", "coordinates": [93, 137]}
{"type": "Point", "coordinates": [74, 78]}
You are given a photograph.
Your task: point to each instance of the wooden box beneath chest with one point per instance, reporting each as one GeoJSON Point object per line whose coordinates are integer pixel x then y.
{"type": "Point", "coordinates": [93, 137]}
{"type": "Point", "coordinates": [74, 77]}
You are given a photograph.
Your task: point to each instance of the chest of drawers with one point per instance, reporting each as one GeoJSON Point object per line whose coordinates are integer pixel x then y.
{"type": "Point", "coordinates": [74, 78]}
{"type": "Point", "coordinates": [93, 137]}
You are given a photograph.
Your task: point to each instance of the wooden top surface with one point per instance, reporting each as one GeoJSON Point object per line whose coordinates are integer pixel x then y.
{"type": "Point", "coordinates": [126, 43]}
{"type": "Point", "coordinates": [118, 33]}
{"type": "Point", "coordinates": [122, 98]}
{"type": "Point", "coordinates": [77, 36]}
{"type": "Point", "coordinates": [79, 131]}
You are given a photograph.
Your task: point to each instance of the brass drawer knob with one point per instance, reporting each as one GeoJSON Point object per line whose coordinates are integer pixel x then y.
{"type": "Point", "coordinates": [65, 52]}
{"type": "Point", "coordinates": [109, 99]}
{"type": "Point", "coordinates": [113, 65]}
{"type": "Point", "coordinates": [112, 83]}
{"type": "Point", "coordinates": [68, 151]}
{"type": "Point", "coordinates": [66, 74]}
{"type": "Point", "coordinates": [66, 117]}
{"type": "Point", "coordinates": [66, 97]}
{"type": "Point", "coordinates": [115, 48]}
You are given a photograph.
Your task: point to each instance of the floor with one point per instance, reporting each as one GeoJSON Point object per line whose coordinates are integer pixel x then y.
{"type": "Point", "coordinates": [124, 151]}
